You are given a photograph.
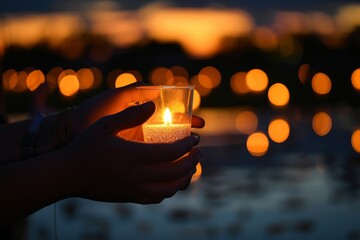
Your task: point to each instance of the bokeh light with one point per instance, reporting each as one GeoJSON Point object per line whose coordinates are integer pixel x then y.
{"type": "Point", "coordinates": [201, 90]}
{"type": "Point", "coordinates": [257, 144]}
{"type": "Point", "coordinates": [238, 83]}
{"type": "Point", "coordinates": [279, 130]}
{"type": "Point", "coordinates": [179, 71]}
{"type": "Point", "coordinates": [6, 78]}
{"type": "Point", "coordinates": [19, 82]}
{"type": "Point", "coordinates": [303, 73]}
{"type": "Point", "coordinates": [69, 85]}
{"type": "Point", "coordinates": [355, 79]}
{"type": "Point", "coordinates": [124, 79]}
{"type": "Point", "coordinates": [161, 76]}
{"type": "Point", "coordinates": [180, 75]}
{"type": "Point", "coordinates": [112, 76]}
{"type": "Point", "coordinates": [138, 76]}
{"type": "Point", "coordinates": [278, 94]}
{"type": "Point", "coordinates": [321, 123]}
{"type": "Point", "coordinates": [246, 122]}
{"type": "Point", "coordinates": [321, 83]}
{"type": "Point", "coordinates": [265, 38]}
{"type": "Point", "coordinates": [98, 77]}
{"type": "Point", "coordinates": [86, 78]}
{"type": "Point", "coordinates": [65, 73]}
{"type": "Point", "coordinates": [355, 140]}
{"type": "Point", "coordinates": [196, 100]}
{"type": "Point", "coordinates": [257, 80]}
{"type": "Point", "coordinates": [209, 77]}
{"type": "Point", "coordinates": [52, 77]}
{"type": "Point", "coordinates": [34, 79]}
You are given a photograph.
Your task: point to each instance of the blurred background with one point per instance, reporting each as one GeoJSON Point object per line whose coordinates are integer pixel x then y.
{"type": "Point", "coordinates": [278, 84]}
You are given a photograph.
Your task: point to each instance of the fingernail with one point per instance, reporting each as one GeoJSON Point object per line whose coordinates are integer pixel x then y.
{"type": "Point", "coordinates": [196, 139]}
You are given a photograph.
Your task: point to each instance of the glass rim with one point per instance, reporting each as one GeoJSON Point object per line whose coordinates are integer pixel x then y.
{"type": "Point", "coordinates": [156, 87]}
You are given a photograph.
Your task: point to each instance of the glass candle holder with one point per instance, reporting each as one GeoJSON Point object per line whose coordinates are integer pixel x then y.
{"type": "Point", "coordinates": [171, 120]}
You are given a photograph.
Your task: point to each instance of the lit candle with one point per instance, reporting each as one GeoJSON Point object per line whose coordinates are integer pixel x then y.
{"type": "Point", "coordinates": [171, 120]}
{"type": "Point", "coordinates": [167, 131]}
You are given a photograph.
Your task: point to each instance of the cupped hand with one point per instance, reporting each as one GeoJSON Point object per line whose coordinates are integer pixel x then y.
{"type": "Point", "coordinates": [111, 102]}
{"type": "Point", "coordinates": [107, 167]}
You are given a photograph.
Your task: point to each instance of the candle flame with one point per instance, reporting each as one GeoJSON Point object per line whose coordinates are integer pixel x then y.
{"type": "Point", "coordinates": [167, 116]}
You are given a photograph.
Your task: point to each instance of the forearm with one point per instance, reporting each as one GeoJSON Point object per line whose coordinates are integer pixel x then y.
{"type": "Point", "coordinates": [51, 135]}
{"type": "Point", "coordinates": [28, 186]}
{"type": "Point", "coordinates": [10, 140]}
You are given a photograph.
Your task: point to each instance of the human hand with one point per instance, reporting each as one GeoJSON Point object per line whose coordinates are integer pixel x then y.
{"type": "Point", "coordinates": [111, 102]}
{"type": "Point", "coordinates": [106, 167]}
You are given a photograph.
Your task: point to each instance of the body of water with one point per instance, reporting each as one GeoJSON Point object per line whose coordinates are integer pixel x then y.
{"type": "Point", "coordinates": [306, 187]}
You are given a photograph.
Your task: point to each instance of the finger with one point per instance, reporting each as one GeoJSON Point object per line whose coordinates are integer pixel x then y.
{"type": "Point", "coordinates": [197, 122]}
{"type": "Point", "coordinates": [149, 93]}
{"type": "Point", "coordinates": [166, 189]}
{"type": "Point", "coordinates": [171, 171]}
{"type": "Point", "coordinates": [130, 117]}
{"type": "Point", "coordinates": [131, 93]}
{"type": "Point", "coordinates": [147, 200]}
{"type": "Point", "coordinates": [187, 184]}
{"type": "Point", "coordinates": [165, 152]}
{"type": "Point", "coordinates": [196, 138]}
{"type": "Point", "coordinates": [119, 98]}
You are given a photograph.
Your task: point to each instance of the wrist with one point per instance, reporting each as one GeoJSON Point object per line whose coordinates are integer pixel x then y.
{"type": "Point", "coordinates": [56, 131]}
{"type": "Point", "coordinates": [30, 138]}
{"type": "Point", "coordinates": [64, 131]}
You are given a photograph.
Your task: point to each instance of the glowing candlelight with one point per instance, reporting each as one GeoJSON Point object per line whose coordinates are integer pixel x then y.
{"type": "Point", "coordinates": [167, 131]}
{"type": "Point", "coordinates": [167, 116]}
{"type": "Point", "coordinates": [172, 118]}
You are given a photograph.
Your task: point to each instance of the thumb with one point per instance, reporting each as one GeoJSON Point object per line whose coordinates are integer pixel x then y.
{"type": "Point", "coordinates": [130, 117]}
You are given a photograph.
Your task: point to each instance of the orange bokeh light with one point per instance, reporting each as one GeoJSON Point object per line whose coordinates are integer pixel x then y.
{"type": "Point", "coordinates": [69, 85]}
{"type": "Point", "coordinates": [179, 72]}
{"type": "Point", "coordinates": [161, 76]}
{"type": "Point", "coordinates": [209, 77]}
{"type": "Point", "coordinates": [19, 82]}
{"type": "Point", "coordinates": [34, 79]}
{"type": "Point", "coordinates": [238, 83]}
{"type": "Point", "coordinates": [279, 130]}
{"type": "Point", "coordinates": [52, 77]}
{"type": "Point", "coordinates": [124, 79]}
{"type": "Point", "coordinates": [246, 122]}
{"type": "Point", "coordinates": [97, 77]}
{"type": "Point", "coordinates": [257, 80]}
{"type": "Point", "coordinates": [201, 90]}
{"type": "Point", "coordinates": [355, 79]}
{"type": "Point", "coordinates": [355, 140]}
{"type": "Point", "coordinates": [303, 73]}
{"type": "Point", "coordinates": [257, 144]}
{"type": "Point", "coordinates": [13, 81]}
{"type": "Point", "coordinates": [86, 78]}
{"type": "Point", "coordinates": [322, 123]}
{"type": "Point", "coordinates": [265, 38]}
{"type": "Point", "coordinates": [321, 83]}
{"type": "Point", "coordinates": [196, 100]}
{"type": "Point", "coordinates": [6, 78]}
{"type": "Point", "coordinates": [278, 94]}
